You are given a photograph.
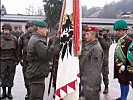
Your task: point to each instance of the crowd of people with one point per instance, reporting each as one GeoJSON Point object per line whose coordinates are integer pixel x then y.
{"type": "Point", "coordinates": [36, 55]}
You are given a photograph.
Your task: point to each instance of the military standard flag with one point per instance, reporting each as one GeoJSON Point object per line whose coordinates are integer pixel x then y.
{"type": "Point", "coordinates": [68, 77]}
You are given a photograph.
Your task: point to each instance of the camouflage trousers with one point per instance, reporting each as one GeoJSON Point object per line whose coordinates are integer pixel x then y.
{"type": "Point", "coordinates": [105, 72]}
{"type": "Point", "coordinates": [8, 68]}
{"type": "Point", "coordinates": [91, 93]}
{"type": "Point", "coordinates": [37, 89]}
{"type": "Point", "coordinates": [54, 77]}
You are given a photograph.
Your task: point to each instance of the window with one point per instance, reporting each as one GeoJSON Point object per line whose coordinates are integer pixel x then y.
{"type": "Point", "coordinates": [17, 28]}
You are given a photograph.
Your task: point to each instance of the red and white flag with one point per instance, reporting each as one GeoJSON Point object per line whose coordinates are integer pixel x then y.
{"type": "Point", "coordinates": [68, 77]}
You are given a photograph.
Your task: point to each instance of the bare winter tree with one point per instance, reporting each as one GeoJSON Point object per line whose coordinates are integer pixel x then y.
{"type": "Point", "coordinates": [39, 11]}
{"type": "Point", "coordinates": [31, 11]}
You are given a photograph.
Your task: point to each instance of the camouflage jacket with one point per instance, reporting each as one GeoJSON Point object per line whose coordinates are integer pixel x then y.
{"type": "Point", "coordinates": [105, 46]}
{"type": "Point", "coordinates": [22, 46]}
{"type": "Point", "coordinates": [8, 47]}
{"type": "Point", "coordinates": [91, 64]}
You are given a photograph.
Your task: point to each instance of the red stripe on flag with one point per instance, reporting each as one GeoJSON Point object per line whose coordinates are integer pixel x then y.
{"type": "Point", "coordinates": [76, 27]}
{"type": "Point", "coordinates": [72, 85]}
{"type": "Point", "coordinates": [78, 75]}
{"type": "Point", "coordinates": [58, 93]}
{"type": "Point", "coordinates": [64, 88]}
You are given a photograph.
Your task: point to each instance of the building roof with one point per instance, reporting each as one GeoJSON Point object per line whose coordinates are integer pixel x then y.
{"type": "Point", "coordinates": [21, 18]}
{"type": "Point", "coordinates": [127, 13]}
{"type": "Point", "coordinates": [104, 21]}
{"type": "Point", "coordinates": [25, 18]}
{"type": "Point", "coordinates": [96, 14]}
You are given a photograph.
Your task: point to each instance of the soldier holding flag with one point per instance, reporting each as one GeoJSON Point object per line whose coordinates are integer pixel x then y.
{"type": "Point", "coordinates": [39, 55]}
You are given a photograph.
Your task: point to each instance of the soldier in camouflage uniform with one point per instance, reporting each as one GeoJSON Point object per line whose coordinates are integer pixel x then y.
{"type": "Point", "coordinates": [22, 54]}
{"type": "Point", "coordinates": [39, 55]}
{"type": "Point", "coordinates": [17, 34]}
{"type": "Point", "coordinates": [54, 60]}
{"type": "Point", "coordinates": [8, 60]}
{"type": "Point", "coordinates": [91, 65]}
{"type": "Point", "coordinates": [105, 43]}
{"type": "Point", "coordinates": [131, 33]}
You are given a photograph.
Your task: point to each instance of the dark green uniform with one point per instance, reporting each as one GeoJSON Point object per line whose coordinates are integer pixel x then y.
{"type": "Point", "coordinates": [8, 62]}
{"type": "Point", "coordinates": [22, 55]}
{"type": "Point", "coordinates": [54, 62]}
{"type": "Point", "coordinates": [105, 69]}
{"type": "Point", "coordinates": [91, 65]}
{"type": "Point", "coordinates": [17, 33]}
{"type": "Point", "coordinates": [105, 42]}
{"type": "Point", "coordinates": [55, 68]}
{"type": "Point", "coordinates": [8, 59]}
{"type": "Point", "coordinates": [39, 55]}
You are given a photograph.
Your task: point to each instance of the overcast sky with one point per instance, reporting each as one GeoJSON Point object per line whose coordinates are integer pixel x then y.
{"type": "Point", "coordinates": [18, 6]}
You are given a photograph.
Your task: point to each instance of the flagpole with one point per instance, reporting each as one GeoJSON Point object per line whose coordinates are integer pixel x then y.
{"type": "Point", "coordinates": [77, 41]}
{"type": "Point", "coordinates": [61, 18]}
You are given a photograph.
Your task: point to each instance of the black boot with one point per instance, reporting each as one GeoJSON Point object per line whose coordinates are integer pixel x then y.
{"type": "Point", "coordinates": [100, 88]}
{"type": "Point", "coordinates": [10, 93]}
{"type": "Point", "coordinates": [81, 91]}
{"type": "Point", "coordinates": [27, 97]}
{"type": "Point", "coordinates": [28, 93]}
{"type": "Point", "coordinates": [4, 95]}
{"type": "Point", "coordinates": [106, 90]}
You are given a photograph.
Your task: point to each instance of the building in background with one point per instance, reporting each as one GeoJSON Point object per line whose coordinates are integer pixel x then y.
{"type": "Point", "coordinates": [127, 15]}
{"type": "Point", "coordinates": [17, 21]}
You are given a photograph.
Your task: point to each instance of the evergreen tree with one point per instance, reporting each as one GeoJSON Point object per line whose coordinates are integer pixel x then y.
{"type": "Point", "coordinates": [52, 9]}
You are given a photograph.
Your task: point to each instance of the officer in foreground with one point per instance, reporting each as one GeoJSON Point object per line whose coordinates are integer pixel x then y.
{"type": "Point", "coordinates": [22, 54]}
{"type": "Point", "coordinates": [8, 60]}
{"type": "Point", "coordinates": [39, 55]}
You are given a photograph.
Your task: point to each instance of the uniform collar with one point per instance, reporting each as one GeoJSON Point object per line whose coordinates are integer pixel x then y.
{"type": "Point", "coordinates": [29, 34]}
{"type": "Point", "coordinates": [7, 37]}
{"type": "Point", "coordinates": [37, 34]}
{"type": "Point", "coordinates": [90, 44]}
